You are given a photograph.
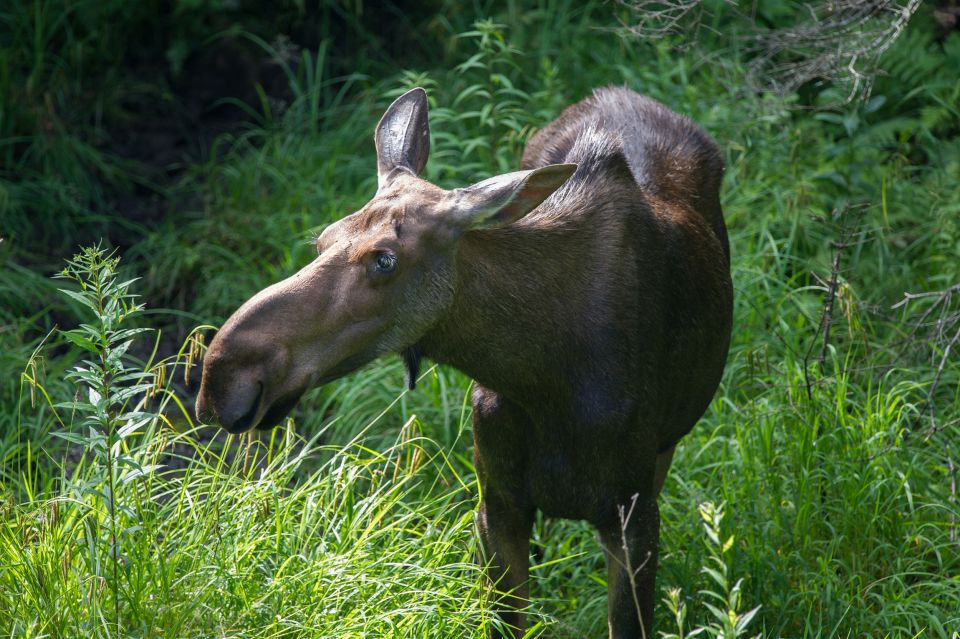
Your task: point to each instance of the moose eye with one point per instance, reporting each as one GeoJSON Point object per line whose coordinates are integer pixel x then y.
{"type": "Point", "coordinates": [385, 262]}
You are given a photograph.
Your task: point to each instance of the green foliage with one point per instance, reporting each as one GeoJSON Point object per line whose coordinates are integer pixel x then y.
{"type": "Point", "coordinates": [55, 71]}
{"type": "Point", "coordinates": [722, 598]}
{"type": "Point", "coordinates": [486, 104]}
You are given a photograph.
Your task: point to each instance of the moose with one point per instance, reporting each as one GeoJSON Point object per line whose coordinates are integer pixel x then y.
{"type": "Point", "coordinates": [588, 295]}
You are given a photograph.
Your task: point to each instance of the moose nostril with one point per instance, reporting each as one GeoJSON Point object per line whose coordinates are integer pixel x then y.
{"type": "Point", "coordinates": [202, 410]}
{"type": "Point", "coordinates": [204, 415]}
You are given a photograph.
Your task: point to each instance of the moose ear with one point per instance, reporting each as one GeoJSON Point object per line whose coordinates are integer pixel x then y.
{"type": "Point", "coordinates": [403, 135]}
{"type": "Point", "coordinates": [506, 198]}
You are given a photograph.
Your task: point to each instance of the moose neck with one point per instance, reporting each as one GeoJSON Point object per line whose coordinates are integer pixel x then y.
{"type": "Point", "coordinates": [512, 322]}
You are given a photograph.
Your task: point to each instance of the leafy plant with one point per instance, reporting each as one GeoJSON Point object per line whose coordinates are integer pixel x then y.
{"type": "Point", "coordinates": [723, 598]}
{"type": "Point", "coordinates": [106, 386]}
{"type": "Point", "coordinates": [481, 123]}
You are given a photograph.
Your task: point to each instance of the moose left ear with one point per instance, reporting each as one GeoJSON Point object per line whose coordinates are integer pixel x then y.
{"type": "Point", "coordinates": [504, 199]}
{"type": "Point", "coordinates": [403, 135]}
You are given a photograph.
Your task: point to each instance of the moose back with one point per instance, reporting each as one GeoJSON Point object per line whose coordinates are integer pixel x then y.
{"type": "Point", "coordinates": [588, 295]}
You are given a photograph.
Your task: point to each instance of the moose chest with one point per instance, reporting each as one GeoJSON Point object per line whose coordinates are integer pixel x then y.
{"type": "Point", "coordinates": [577, 463]}
{"type": "Point", "coordinates": [567, 484]}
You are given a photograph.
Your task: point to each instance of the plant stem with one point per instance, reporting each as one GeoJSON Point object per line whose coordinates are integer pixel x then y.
{"type": "Point", "coordinates": [108, 435]}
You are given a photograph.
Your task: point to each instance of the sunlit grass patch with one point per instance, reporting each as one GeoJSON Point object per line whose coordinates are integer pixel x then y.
{"type": "Point", "coordinates": [284, 538]}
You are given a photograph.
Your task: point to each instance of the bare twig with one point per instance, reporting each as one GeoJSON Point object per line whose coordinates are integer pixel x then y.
{"type": "Point", "coordinates": [657, 18]}
{"type": "Point", "coordinates": [947, 322]}
{"type": "Point", "coordinates": [832, 286]}
{"type": "Point", "coordinates": [625, 516]}
{"type": "Point", "coordinates": [826, 319]}
{"type": "Point", "coordinates": [841, 40]}
{"type": "Point", "coordinates": [943, 296]}
{"type": "Point", "coordinates": [939, 373]}
{"type": "Point", "coordinates": [834, 40]}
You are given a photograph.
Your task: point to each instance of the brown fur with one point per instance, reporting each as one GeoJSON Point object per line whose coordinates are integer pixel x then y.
{"type": "Point", "coordinates": [596, 323]}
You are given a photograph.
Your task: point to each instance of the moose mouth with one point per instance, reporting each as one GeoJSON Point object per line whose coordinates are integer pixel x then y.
{"type": "Point", "coordinates": [280, 409]}
{"type": "Point", "coordinates": [275, 413]}
{"type": "Point", "coordinates": [248, 419]}
{"type": "Point", "coordinates": [271, 418]}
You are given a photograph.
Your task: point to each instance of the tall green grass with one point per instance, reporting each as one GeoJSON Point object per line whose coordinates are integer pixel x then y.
{"type": "Point", "coordinates": [150, 532]}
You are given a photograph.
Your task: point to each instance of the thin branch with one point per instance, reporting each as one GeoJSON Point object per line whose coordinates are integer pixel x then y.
{"type": "Point", "coordinates": [832, 291]}
{"type": "Point", "coordinates": [946, 322]}
{"type": "Point", "coordinates": [627, 565]}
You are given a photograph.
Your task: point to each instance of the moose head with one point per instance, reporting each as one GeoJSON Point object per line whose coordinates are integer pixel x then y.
{"type": "Point", "coordinates": [382, 277]}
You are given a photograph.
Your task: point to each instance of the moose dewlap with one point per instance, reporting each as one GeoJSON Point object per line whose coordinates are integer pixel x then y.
{"type": "Point", "coordinates": [588, 295]}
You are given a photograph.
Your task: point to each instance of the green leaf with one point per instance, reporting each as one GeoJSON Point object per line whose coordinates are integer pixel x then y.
{"type": "Point", "coordinates": [727, 545]}
{"type": "Point", "coordinates": [132, 425]}
{"type": "Point", "coordinates": [73, 438]}
{"type": "Point", "coordinates": [744, 619]}
{"type": "Point", "coordinates": [78, 339]}
{"type": "Point", "coordinates": [137, 473]}
{"type": "Point", "coordinates": [82, 297]}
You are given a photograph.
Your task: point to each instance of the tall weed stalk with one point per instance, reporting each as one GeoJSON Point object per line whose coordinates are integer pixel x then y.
{"type": "Point", "coordinates": [106, 385]}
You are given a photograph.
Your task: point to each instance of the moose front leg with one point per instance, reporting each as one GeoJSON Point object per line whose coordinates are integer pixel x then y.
{"type": "Point", "coordinates": [632, 546]}
{"type": "Point", "coordinates": [505, 547]}
{"type": "Point", "coordinates": [505, 518]}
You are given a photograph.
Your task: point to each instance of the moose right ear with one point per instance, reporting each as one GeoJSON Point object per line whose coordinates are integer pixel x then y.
{"type": "Point", "coordinates": [504, 199]}
{"type": "Point", "coordinates": [403, 135]}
